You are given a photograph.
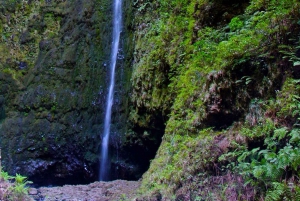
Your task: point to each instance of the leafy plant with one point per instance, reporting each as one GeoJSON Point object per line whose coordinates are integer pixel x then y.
{"type": "Point", "coordinates": [270, 167]}
{"type": "Point", "coordinates": [20, 179]}
{"type": "Point", "coordinates": [290, 53]}
{"type": "Point", "coordinates": [245, 79]}
{"type": "Point", "coordinates": [15, 187]}
{"type": "Point", "coordinates": [282, 191]}
{"type": "Point", "coordinates": [5, 176]}
{"type": "Point", "coordinates": [272, 163]}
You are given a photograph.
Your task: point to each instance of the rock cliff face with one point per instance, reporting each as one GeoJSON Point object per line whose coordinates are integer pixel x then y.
{"type": "Point", "coordinates": [53, 75]}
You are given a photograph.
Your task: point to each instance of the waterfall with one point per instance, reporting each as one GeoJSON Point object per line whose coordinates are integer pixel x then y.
{"type": "Point", "coordinates": [117, 25]}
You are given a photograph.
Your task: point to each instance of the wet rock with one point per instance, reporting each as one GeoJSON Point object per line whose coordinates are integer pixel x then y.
{"type": "Point", "coordinates": [32, 191]}
{"type": "Point", "coordinates": [22, 65]}
{"type": "Point", "coordinates": [51, 126]}
{"type": "Point", "coordinates": [26, 37]}
{"type": "Point", "coordinates": [1, 99]}
{"type": "Point", "coordinates": [98, 191]}
{"type": "Point", "coordinates": [46, 45]}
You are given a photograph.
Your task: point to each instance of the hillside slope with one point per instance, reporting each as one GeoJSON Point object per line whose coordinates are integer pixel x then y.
{"type": "Point", "coordinates": [219, 80]}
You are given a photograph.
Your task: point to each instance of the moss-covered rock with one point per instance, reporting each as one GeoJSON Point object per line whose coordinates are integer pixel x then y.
{"type": "Point", "coordinates": [201, 65]}
{"type": "Point", "coordinates": [53, 89]}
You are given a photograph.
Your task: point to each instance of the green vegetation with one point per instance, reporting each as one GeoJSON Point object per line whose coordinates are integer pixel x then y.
{"type": "Point", "coordinates": [13, 187]}
{"type": "Point", "coordinates": [272, 166]}
{"type": "Point", "coordinates": [21, 34]}
{"type": "Point", "coordinates": [221, 73]}
{"type": "Point", "coordinates": [16, 37]}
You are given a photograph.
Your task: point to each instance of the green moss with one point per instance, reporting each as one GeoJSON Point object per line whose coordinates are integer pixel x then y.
{"type": "Point", "coordinates": [178, 158]}
{"type": "Point", "coordinates": [287, 101]}
{"type": "Point", "coordinates": [22, 44]}
{"type": "Point", "coordinates": [53, 25]}
{"type": "Point", "coordinates": [206, 63]}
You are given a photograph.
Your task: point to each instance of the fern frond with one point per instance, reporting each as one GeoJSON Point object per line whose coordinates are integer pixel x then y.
{"type": "Point", "coordinates": [280, 133]}
{"type": "Point", "coordinates": [277, 193]}
{"type": "Point", "coordinates": [295, 136]}
{"type": "Point", "coordinates": [258, 172]}
{"type": "Point", "coordinates": [272, 172]}
{"type": "Point", "coordinates": [296, 196]}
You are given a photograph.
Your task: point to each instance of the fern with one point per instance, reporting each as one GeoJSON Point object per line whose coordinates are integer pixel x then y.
{"type": "Point", "coordinates": [297, 193]}
{"type": "Point", "coordinates": [273, 173]}
{"type": "Point", "coordinates": [276, 193]}
{"type": "Point", "coordinates": [268, 155]}
{"type": "Point", "coordinates": [258, 172]}
{"type": "Point", "coordinates": [280, 133]}
{"type": "Point", "coordinates": [295, 136]}
{"type": "Point", "coordinates": [281, 191]}
{"type": "Point", "coordinates": [274, 168]}
{"type": "Point", "coordinates": [270, 168]}
{"type": "Point", "coordinates": [271, 144]}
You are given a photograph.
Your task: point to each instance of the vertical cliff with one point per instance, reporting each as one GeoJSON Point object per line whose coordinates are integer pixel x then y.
{"type": "Point", "coordinates": [53, 74]}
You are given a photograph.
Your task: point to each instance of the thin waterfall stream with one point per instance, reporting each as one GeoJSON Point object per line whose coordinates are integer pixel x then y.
{"type": "Point", "coordinates": [117, 26]}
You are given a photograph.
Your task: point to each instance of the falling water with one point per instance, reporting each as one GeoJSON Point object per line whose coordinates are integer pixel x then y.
{"type": "Point", "coordinates": [117, 25]}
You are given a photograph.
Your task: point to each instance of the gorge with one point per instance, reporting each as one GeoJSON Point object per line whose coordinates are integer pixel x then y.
{"type": "Point", "coordinates": [205, 95]}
